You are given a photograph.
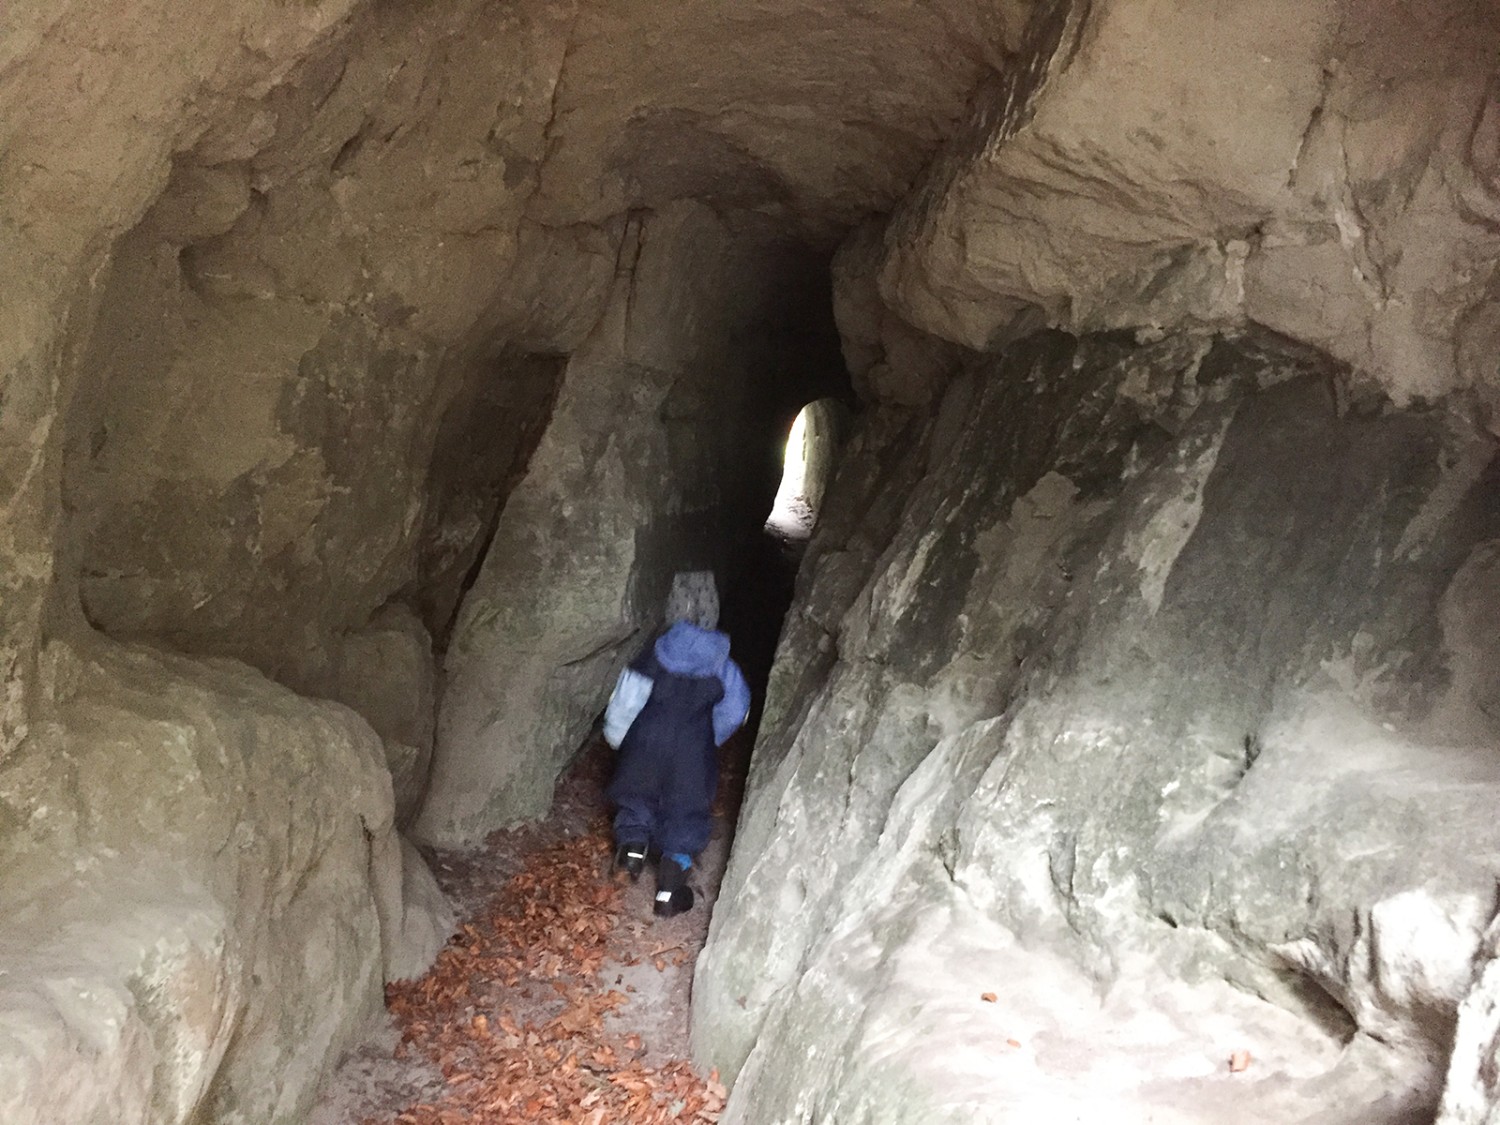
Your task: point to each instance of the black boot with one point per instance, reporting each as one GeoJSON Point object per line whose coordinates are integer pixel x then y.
{"type": "Point", "coordinates": [673, 895]}
{"type": "Point", "coordinates": [631, 859]}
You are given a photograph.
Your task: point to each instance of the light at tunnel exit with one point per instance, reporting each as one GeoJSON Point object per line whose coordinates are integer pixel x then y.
{"type": "Point", "coordinates": [791, 514]}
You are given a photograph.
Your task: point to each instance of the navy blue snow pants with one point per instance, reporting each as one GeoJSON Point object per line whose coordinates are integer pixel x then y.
{"type": "Point", "coordinates": [668, 769]}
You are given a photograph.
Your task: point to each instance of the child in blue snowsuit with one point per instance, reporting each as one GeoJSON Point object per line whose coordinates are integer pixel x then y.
{"type": "Point", "coordinates": [671, 710]}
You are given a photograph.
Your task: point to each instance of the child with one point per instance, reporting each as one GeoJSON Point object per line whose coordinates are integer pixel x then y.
{"type": "Point", "coordinates": [671, 710]}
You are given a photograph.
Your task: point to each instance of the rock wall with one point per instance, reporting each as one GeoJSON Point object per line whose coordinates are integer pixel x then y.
{"type": "Point", "coordinates": [1326, 169]}
{"type": "Point", "coordinates": [1136, 687]}
{"type": "Point", "coordinates": [204, 894]}
{"type": "Point", "coordinates": [825, 424]}
{"type": "Point", "coordinates": [350, 252]}
{"type": "Point", "coordinates": [244, 285]}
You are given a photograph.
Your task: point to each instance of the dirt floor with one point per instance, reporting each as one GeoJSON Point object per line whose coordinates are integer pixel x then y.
{"type": "Point", "coordinates": [562, 998]}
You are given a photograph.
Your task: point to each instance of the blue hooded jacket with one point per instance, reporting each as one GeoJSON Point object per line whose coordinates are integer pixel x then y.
{"type": "Point", "coordinates": [689, 652]}
{"type": "Point", "coordinates": [674, 705]}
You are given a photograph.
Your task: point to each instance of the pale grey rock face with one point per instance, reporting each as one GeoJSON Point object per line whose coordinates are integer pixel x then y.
{"type": "Point", "coordinates": [196, 906]}
{"type": "Point", "coordinates": [1138, 685]}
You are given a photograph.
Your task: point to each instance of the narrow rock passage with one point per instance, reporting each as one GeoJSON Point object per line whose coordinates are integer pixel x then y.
{"type": "Point", "coordinates": [562, 998]}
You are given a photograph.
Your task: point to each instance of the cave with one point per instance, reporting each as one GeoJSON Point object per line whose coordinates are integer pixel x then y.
{"type": "Point", "coordinates": [1127, 692]}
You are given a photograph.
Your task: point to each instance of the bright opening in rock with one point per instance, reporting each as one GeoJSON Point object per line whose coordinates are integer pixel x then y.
{"type": "Point", "coordinates": [808, 462]}
{"type": "Point", "coordinates": [792, 514]}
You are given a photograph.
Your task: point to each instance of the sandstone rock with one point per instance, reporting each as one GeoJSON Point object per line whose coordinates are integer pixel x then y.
{"type": "Point", "coordinates": [280, 336]}
{"type": "Point", "coordinates": [1135, 720]}
{"type": "Point", "coordinates": [889, 360]}
{"type": "Point", "coordinates": [385, 671]}
{"type": "Point", "coordinates": [1472, 1093]}
{"type": "Point", "coordinates": [815, 114]}
{"type": "Point", "coordinates": [292, 292]}
{"type": "Point", "coordinates": [416, 920]}
{"type": "Point", "coordinates": [92, 104]}
{"type": "Point", "coordinates": [1308, 169]}
{"type": "Point", "coordinates": [191, 872]}
{"type": "Point", "coordinates": [826, 423]}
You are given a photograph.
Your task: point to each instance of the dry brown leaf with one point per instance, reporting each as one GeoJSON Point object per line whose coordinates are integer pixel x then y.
{"type": "Point", "coordinates": [546, 932]}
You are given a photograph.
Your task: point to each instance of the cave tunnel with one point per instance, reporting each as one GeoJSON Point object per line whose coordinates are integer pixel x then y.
{"type": "Point", "coordinates": [1125, 733]}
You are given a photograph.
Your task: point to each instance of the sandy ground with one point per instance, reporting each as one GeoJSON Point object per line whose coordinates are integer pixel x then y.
{"type": "Point", "coordinates": [646, 959]}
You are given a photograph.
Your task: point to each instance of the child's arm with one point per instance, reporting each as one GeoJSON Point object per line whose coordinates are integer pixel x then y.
{"type": "Point", "coordinates": [632, 690]}
{"type": "Point", "coordinates": [731, 712]}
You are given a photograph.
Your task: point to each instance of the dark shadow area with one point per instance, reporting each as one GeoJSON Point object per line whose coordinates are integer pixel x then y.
{"type": "Point", "coordinates": [760, 575]}
{"type": "Point", "coordinates": [484, 444]}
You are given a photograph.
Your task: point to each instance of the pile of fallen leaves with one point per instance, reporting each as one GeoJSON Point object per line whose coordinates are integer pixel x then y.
{"type": "Point", "coordinates": [544, 937]}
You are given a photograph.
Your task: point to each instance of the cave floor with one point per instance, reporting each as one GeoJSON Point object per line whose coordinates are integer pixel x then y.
{"type": "Point", "coordinates": [561, 998]}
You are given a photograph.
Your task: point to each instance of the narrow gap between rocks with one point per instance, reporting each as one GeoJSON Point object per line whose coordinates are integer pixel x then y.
{"type": "Point", "coordinates": [807, 463]}
{"type": "Point", "coordinates": [562, 998]}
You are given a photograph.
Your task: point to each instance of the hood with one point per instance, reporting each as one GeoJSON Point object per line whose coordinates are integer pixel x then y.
{"type": "Point", "coordinates": [687, 650]}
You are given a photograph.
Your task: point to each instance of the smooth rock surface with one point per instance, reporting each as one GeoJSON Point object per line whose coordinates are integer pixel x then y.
{"type": "Point", "coordinates": [1132, 678]}
{"type": "Point", "coordinates": [385, 671]}
{"type": "Point", "coordinates": [195, 867]}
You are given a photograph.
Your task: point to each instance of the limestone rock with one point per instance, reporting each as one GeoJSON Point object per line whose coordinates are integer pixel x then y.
{"type": "Point", "coordinates": [193, 912]}
{"type": "Point", "coordinates": [1140, 719]}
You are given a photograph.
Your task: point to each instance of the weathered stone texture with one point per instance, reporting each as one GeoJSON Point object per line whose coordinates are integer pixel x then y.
{"type": "Point", "coordinates": [93, 100]}
{"type": "Point", "coordinates": [816, 114]}
{"type": "Point", "coordinates": [339, 263]}
{"type": "Point", "coordinates": [314, 314]}
{"type": "Point", "coordinates": [386, 673]}
{"type": "Point", "coordinates": [1325, 169]}
{"type": "Point", "coordinates": [1148, 709]}
{"type": "Point", "coordinates": [196, 865]}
